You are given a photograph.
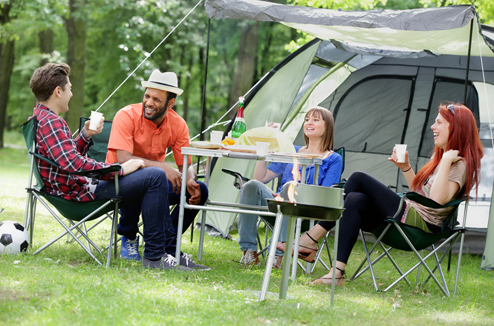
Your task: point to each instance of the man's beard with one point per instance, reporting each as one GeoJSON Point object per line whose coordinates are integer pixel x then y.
{"type": "Point", "coordinates": [158, 113]}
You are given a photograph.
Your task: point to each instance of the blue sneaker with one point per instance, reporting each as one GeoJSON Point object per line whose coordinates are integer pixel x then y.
{"type": "Point", "coordinates": [129, 249]}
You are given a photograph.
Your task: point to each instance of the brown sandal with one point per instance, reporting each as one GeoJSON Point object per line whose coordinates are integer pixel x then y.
{"type": "Point", "coordinates": [321, 281]}
{"type": "Point", "coordinates": [310, 258]}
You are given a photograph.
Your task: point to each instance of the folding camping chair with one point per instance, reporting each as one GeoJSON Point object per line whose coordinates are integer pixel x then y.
{"type": "Point", "coordinates": [409, 238]}
{"type": "Point", "coordinates": [306, 224]}
{"type": "Point", "coordinates": [77, 213]}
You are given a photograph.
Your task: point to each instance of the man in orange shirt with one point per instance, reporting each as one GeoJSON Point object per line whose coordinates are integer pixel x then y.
{"type": "Point", "coordinates": [145, 131]}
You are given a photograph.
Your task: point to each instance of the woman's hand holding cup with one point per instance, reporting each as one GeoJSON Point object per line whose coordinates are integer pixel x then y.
{"type": "Point", "coordinates": [402, 165]}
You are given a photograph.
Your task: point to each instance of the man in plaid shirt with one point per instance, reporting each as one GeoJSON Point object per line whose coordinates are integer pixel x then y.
{"type": "Point", "coordinates": [139, 186]}
{"type": "Point", "coordinates": [54, 141]}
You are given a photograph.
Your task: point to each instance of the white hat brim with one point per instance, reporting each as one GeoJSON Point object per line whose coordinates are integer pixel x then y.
{"type": "Point", "coordinates": [171, 89]}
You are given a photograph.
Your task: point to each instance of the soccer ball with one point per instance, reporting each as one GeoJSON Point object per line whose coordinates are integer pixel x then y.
{"type": "Point", "coordinates": [13, 238]}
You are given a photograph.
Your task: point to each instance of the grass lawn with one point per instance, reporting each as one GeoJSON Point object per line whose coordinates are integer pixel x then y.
{"type": "Point", "coordinates": [63, 285]}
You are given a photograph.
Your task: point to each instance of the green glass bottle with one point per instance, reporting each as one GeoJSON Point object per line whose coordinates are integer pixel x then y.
{"type": "Point", "coordinates": [239, 124]}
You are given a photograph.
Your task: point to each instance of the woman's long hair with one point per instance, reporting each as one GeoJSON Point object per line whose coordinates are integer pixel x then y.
{"type": "Point", "coordinates": [464, 137]}
{"type": "Point", "coordinates": [327, 116]}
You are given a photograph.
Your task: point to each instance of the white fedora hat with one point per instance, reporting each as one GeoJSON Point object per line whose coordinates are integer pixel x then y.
{"type": "Point", "coordinates": [166, 81]}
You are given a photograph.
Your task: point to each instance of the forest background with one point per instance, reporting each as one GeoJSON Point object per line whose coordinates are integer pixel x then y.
{"type": "Point", "coordinates": [105, 40]}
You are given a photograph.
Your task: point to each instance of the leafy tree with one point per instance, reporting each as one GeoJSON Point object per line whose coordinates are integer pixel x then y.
{"type": "Point", "coordinates": [120, 35]}
{"type": "Point", "coordinates": [7, 45]}
{"type": "Point", "coordinates": [75, 24]}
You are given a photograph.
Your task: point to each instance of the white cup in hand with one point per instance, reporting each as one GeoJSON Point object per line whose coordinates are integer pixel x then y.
{"type": "Point", "coordinates": [95, 120]}
{"type": "Point", "coordinates": [401, 150]}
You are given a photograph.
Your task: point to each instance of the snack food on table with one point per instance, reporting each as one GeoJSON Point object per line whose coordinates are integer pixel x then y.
{"type": "Point", "coordinates": [228, 141]}
{"type": "Point", "coordinates": [279, 142]}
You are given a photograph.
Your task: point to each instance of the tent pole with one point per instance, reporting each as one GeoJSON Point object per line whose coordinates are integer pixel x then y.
{"type": "Point", "coordinates": [468, 63]}
{"type": "Point", "coordinates": [203, 111]}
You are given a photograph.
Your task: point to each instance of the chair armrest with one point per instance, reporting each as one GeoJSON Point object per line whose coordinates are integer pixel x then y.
{"type": "Point", "coordinates": [235, 174]}
{"type": "Point", "coordinates": [86, 173]}
{"type": "Point", "coordinates": [431, 203]}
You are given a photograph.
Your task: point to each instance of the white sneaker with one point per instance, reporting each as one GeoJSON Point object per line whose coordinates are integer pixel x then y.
{"type": "Point", "coordinates": [186, 260]}
{"type": "Point", "coordinates": [250, 258]}
{"type": "Point", "coordinates": [167, 262]}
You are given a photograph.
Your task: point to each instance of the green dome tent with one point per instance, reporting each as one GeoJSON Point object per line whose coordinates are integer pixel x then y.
{"type": "Point", "coordinates": [382, 74]}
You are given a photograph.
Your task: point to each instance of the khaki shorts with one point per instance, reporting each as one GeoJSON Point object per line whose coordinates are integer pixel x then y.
{"type": "Point", "coordinates": [411, 217]}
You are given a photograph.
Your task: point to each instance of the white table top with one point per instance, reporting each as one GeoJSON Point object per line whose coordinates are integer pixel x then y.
{"type": "Point", "coordinates": [281, 158]}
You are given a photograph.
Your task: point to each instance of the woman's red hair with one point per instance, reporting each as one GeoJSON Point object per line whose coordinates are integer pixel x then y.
{"type": "Point", "coordinates": [464, 137]}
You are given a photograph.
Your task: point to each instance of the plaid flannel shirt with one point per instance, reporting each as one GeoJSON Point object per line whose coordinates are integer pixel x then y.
{"type": "Point", "coordinates": [54, 141]}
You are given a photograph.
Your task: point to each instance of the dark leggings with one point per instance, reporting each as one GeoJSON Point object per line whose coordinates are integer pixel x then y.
{"type": "Point", "coordinates": [367, 203]}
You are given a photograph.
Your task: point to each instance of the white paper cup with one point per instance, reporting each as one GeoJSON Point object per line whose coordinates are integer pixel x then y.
{"type": "Point", "coordinates": [95, 120]}
{"type": "Point", "coordinates": [216, 137]}
{"type": "Point", "coordinates": [262, 148]}
{"type": "Point", "coordinates": [401, 150]}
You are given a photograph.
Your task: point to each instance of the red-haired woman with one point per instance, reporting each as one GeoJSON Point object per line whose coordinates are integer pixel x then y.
{"type": "Point", "coordinates": [453, 170]}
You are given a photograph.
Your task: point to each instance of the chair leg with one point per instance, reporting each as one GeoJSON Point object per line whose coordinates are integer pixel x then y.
{"type": "Point", "coordinates": [113, 236]}
{"type": "Point", "coordinates": [259, 239]}
{"type": "Point", "coordinates": [367, 259]}
{"type": "Point", "coordinates": [85, 231]}
{"type": "Point", "coordinates": [260, 245]}
{"type": "Point", "coordinates": [30, 216]}
{"type": "Point", "coordinates": [459, 261]}
{"type": "Point", "coordinates": [421, 261]}
{"type": "Point", "coordinates": [67, 231]}
{"type": "Point", "coordinates": [318, 255]}
{"type": "Point", "coordinates": [398, 269]}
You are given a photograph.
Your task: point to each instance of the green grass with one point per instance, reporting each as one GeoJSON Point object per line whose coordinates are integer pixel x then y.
{"type": "Point", "coordinates": [63, 285]}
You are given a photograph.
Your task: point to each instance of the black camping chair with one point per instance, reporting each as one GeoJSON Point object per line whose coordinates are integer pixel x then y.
{"type": "Point", "coordinates": [409, 238]}
{"type": "Point", "coordinates": [306, 224]}
{"type": "Point", "coordinates": [76, 213]}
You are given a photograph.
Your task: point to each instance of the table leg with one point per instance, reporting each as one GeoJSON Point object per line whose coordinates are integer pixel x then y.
{"type": "Point", "coordinates": [295, 250]}
{"type": "Point", "coordinates": [336, 235]}
{"type": "Point", "coordinates": [272, 253]}
{"type": "Point", "coordinates": [287, 257]}
{"type": "Point", "coordinates": [203, 218]}
{"type": "Point", "coordinates": [181, 210]}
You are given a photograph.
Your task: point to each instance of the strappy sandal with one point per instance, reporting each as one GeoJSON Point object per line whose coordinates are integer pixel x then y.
{"type": "Point", "coordinates": [310, 258]}
{"type": "Point", "coordinates": [327, 280]}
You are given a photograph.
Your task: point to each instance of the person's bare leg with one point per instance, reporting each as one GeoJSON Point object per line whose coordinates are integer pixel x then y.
{"type": "Point", "coordinates": [306, 243]}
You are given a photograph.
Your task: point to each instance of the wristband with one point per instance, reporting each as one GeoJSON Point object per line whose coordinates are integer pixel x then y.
{"type": "Point", "coordinates": [407, 170]}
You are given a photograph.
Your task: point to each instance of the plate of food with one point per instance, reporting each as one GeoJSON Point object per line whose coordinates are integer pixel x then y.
{"type": "Point", "coordinates": [242, 148]}
{"type": "Point", "coordinates": [205, 145]}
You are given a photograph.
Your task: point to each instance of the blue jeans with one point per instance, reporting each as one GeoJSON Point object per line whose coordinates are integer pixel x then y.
{"type": "Point", "coordinates": [255, 193]}
{"type": "Point", "coordinates": [132, 206]}
{"type": "Point", "coordinates": [146, 188]}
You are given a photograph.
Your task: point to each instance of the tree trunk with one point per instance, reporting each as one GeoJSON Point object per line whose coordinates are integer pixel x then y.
{"type": "Point", "coordinates": [244, 73]}
{"type": "Point", "coordinates": [46, 44]}
{"type": "Point", "coordinates": [75, 25]}
{"type": "Point", "coordinates": [6, 66]}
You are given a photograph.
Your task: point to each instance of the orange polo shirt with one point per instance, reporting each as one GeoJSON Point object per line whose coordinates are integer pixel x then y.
{"type": "Point", "coordinates": [133, 133]}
